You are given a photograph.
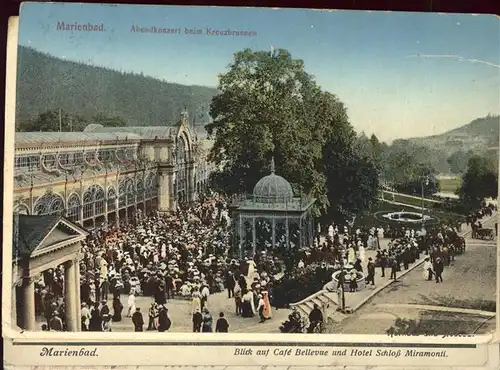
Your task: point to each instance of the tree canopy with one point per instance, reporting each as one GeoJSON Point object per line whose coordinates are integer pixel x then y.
{"type": "Point", "coordinates": [269, 106]}
{"type": "Point", "coordinates": [480, 181]}
{"type": "Point", "coordinates": [59, 120]}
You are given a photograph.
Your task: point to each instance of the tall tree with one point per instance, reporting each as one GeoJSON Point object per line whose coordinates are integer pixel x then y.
{"type": "Point", "coordinates": [53, 120]}
{"type": "Point", "coordinates": [268, 105]}
{"type": "Point", "coordinates": [479, 182]}
{"type": "Point", "coordinates": [458, 161]}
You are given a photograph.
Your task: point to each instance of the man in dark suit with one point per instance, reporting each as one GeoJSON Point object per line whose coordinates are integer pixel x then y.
{"type": "Point", "coordinates": [438, 270]}
{"type": "Point", "coordinates": [370, 268]}
{"type": "Point", "coordinates": [138, 320]}
{"type": "Point", "coordinates": [230, 284]}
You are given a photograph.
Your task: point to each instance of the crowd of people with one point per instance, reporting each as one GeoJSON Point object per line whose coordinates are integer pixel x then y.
{"type": "Point", "coordinates": [188, 255]}
{"type": "Point", "coordinates": [185, 255]}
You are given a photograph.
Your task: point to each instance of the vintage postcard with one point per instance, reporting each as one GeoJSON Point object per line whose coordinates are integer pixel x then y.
{"type": "Point", "coordinates": [250, 187]}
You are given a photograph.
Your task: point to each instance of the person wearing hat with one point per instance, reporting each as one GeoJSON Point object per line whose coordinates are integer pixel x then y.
{"type": "Point", "coordinates": [260, 308]}
{"type": "Point", "coordinates": [56, 323]}
{"type": "Point", "coordinates": [85, 317]}
{"type": "Point", "coordinates": [353, 282]}
{"type": "Point", "coordinates": [438, 270]}
{"type": "Point", "coordinates": [164, 322]}
{"type": "Point", "coordinates": [104, 308]}
{"type": "Point", "coordinates": [230, 284]}
{"type": "Point", "coordinates": [131, 303]}
{"type": "Point", "coordinates": [95, 319]}
{"type": "Point", "coordinates": [197, 320]}
{"type": "Point", "coordinates": [427, 270]}
{"type": "Point", "coordinates": [106, 323]}
{"type": "Point", "coordinates": [207, 321]}
{"type": "Point", "coordinates": [370, 269]}
{"type": "Point", "coordinates": [138, 320]}
{"type": "Point", "coordinates": [222, 325]}
{"type": "Point", "coordinates": [153, 315]}
{"type": "Point", "coordinates": [393, 263]}
{"type": "Point", "coordinates": [205, 293]}
{"type": "Point", "coordinates": [117, 309]}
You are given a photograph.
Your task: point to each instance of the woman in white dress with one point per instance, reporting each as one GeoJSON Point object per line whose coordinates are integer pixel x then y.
{"type": "Point", "coordinates": [427, 270]}
{"type": "Point", "coordinates": [196, 302]}
{"type": "Point", "coordinates": [131, 304]}
{"type": "Point", "coordinates": [252, 301]}
{"type": "Point", "coordinates": [251, 269]}
{"type": "Point", "coordinates": [351, 255]}
{"type": "Point", "coordinates": [362, 253]}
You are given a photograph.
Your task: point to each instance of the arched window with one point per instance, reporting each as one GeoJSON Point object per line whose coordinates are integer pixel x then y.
{"type": "Point", "coordinates": [181, 154]}
{"type": "Point", "coordinates": [49, 204]}
{"type": "Point", "coordinates": [111, 199]}
{"type": "Point", "coordinates": [122, 193]}
{"type": "Point", "coordinates": [87, 205]}
{"type": "Point", "coordinates": [73, 209]}
{"type": "Point", "coordinates": [93, 202]}
{"type": "Point", "coordinates": [127, 192]}
{"type": "Point", "coordinates": [181, 168]}
{"type": "Point", "coordinates": [22, 209]}
{"type": "Point", "coordinates": [140, 187]}
{"type": "Point", "coordinates": [151, 186]}
{"type": "Point", "coordinates": [100, 198]}
{"type": "Point", "coordinates": [130, 192]}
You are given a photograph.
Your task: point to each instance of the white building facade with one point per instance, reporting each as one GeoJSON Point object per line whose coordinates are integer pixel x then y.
{"type": "Point", "coordinates": [107, 174]}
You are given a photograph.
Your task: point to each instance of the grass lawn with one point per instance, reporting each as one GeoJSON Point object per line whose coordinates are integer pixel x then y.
{"type": "Point", "coordinates": [411, 200]}
{"type": "Point", "coordinates": [443, 323]}
{"type": "Point", "coordinates": [450, 185]}
{"type": "Point", "coordinates": [369, 219]}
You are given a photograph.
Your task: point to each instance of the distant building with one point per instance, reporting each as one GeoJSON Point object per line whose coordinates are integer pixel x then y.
{"type": "Point", "coordinates": [106, 174]}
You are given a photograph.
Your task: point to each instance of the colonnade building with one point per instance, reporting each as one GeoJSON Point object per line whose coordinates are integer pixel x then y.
{"type": "Point", "coordinates": [106, 174]}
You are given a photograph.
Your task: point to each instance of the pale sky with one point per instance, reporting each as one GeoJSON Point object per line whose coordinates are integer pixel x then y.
{"type": "Point", "coordinates": [400, 74]}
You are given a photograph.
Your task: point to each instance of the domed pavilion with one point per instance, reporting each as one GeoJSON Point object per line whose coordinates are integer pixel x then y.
{"type": "Point", "coordinates": [272, 218]}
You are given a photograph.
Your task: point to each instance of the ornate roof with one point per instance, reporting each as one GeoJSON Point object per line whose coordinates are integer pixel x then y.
{"type": "Point", "coordinates": [35, 138]}
{"type": "Point", "coordinates": [144, 132]}
{"type": "Point", "coordinates": [272, 189]}
{"type": "Point", "coordinates": [32, 230]}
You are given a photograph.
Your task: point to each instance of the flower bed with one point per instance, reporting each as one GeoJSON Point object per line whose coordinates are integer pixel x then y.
{"type": "Point", "coordinates": [299, 285]}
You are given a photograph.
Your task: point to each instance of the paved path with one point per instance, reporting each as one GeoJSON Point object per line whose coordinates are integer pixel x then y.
{"type": "Point", "coordinates": [410, 196]}
{"type": "Point", "coordinates": [410, 287]}
{"type": "Point", "coordinates": [180, 314]}
{"type": "Point", "coordinates": [470, 283]}
{"type": "Point", "coordinates": [437, 308]}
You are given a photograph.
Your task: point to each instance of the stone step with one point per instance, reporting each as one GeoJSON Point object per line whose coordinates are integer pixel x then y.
{"type": "Point", "coordinates": [309, 304]}
{"type": "Point", "coordinates": [323, 299]}
{"type": "Point", "coordinates": [303, 310]}
{"type": "Point", "coordinates": [317, 301]}
{"type": "Point", "coordinates": [333, 297]}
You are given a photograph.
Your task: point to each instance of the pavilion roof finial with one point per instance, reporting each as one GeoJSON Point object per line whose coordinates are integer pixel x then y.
{"type": "Point", "coordinates": [272, 165]}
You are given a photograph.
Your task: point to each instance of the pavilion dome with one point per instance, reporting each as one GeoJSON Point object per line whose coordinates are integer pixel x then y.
{"type": "Point", "coordinates": [272, 189]}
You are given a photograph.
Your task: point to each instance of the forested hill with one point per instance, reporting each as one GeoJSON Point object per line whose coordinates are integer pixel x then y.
{"type": "Point", "coordinates": [453, 148]}
{"type": "Point", "coordinates": [478, 135]}
{"type": "Point", "coordinates": [48, 83]}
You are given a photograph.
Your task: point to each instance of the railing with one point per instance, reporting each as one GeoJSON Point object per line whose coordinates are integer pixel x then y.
{"type": "Point", "coordinates": [246, 201]}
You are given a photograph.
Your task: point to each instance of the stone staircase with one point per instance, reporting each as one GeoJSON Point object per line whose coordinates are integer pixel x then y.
{"type": "Point", "coordinates": [327, 301]}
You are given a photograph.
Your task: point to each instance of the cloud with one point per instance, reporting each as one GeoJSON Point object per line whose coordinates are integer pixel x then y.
{"type": "Point", "coordinates": [457, 57]}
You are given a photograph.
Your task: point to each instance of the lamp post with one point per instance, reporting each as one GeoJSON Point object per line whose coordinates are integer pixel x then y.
{"type": "Point", "coordinates": [341, 281]}
{"type": "Point", "coordinates": [424, 180]}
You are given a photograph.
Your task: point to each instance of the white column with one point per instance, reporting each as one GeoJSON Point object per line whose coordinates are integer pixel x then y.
{"type": "Point", "coordinates": [164, 191]}
{"type": "Point", "coordinates": [171, 192]}
{"type": "Point", "coordinates": [70, 299]}
{"type": "Point", "coordinates": [29, 319]}
{"type": "Point", "coordinates": [78, 305]}
{"type": "Point", "coordinates": [191, 183]}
